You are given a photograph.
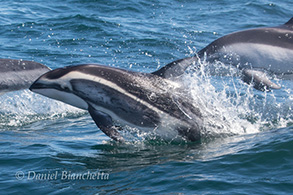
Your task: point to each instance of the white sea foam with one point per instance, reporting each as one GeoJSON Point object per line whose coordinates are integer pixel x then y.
{"type": "Point", "coordinates": [24, 107]}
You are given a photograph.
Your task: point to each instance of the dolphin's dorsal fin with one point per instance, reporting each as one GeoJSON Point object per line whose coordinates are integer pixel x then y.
{"type": "Point", "coordinates": [176, 68]}
{"type": "Point", "coordinates": [105, 123]}
{"type": "Point", "coordinates": [290, 22]}
{"type": "Point", "coordinates": [259, 80]}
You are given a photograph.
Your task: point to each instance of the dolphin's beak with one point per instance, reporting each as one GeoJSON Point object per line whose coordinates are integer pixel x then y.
{"type": "Point", "coordinates": [41, 83]}
{"type": "Point", "coordinates": [37, 85]}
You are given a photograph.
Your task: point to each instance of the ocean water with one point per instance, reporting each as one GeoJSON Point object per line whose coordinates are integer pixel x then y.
{"type": "Point", "coordinates": [47, 147]}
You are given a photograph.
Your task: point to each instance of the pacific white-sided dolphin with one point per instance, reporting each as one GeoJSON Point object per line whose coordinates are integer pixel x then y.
{"type": "Point", "coordinates": [152, 101]}
{"type": "Point", "coordinates": [259, 53]}
{"type": "Point", "coordinates": [141, 100]}
{"type": "Point", "coordinates": [19, 74]}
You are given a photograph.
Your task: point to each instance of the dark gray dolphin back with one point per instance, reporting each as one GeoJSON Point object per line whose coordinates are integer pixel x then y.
{"type": "Point", "coordinates": [19, 74]}
{"type": "Point", "coordinates": [176, 68]}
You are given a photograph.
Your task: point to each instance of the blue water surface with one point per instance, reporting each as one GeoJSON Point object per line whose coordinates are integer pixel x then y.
{"type": "Point", "coordinates": [47, 147]}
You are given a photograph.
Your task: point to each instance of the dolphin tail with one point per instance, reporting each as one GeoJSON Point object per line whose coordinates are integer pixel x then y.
{"type": "Point", "coordinates": [19, 74]}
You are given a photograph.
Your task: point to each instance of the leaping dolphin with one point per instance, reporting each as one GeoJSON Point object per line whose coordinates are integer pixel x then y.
{"type": "Point", "coordinates": [259, 53]}
{"type": "Point", "coordinates": [19, 74]}
{"type": "Point", "coordinates": [145, 101]}
{"type": "Point", "coordinates": [153, 102]}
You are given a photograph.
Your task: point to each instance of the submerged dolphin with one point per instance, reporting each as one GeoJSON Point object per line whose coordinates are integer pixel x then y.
{"type": "Point", "coordinates": [145, 101]}
{"type": "Point", "coordinates": [259, 53]}
{"type": "Point", "coordinates": [19, 74]}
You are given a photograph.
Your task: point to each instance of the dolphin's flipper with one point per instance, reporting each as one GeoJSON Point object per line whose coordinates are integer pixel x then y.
{"type": "Point", "coordinates": [259, 80]}
{"type": "Point", "coordinates": [105, 123]}
{"type": "Point", "coordinates": [176, 68]}
{"type": "Point", "coordinates": [19, 74]}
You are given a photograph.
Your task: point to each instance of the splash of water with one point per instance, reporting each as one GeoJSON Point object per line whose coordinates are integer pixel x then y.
{"type": "Point", "coordinates": [229, 106]}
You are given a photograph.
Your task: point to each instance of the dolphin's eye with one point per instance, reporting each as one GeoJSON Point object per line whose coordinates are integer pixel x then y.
{"type": "Point", "coordinates": [65, 87]}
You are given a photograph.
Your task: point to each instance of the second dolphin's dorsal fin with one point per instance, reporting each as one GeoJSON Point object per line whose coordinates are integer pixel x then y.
{"type": "Point", "coordinates": [290, 22]}
{"type": "Point", "coordinates": [176, 68]}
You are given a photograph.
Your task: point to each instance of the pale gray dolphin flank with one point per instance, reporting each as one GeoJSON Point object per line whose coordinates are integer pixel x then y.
{"type": "Point", "coordinates": [19, 74]}
{"type": "Point", "coordinates": [259, 53]}
{"type": "Point", "coordinates": [145, 101]}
